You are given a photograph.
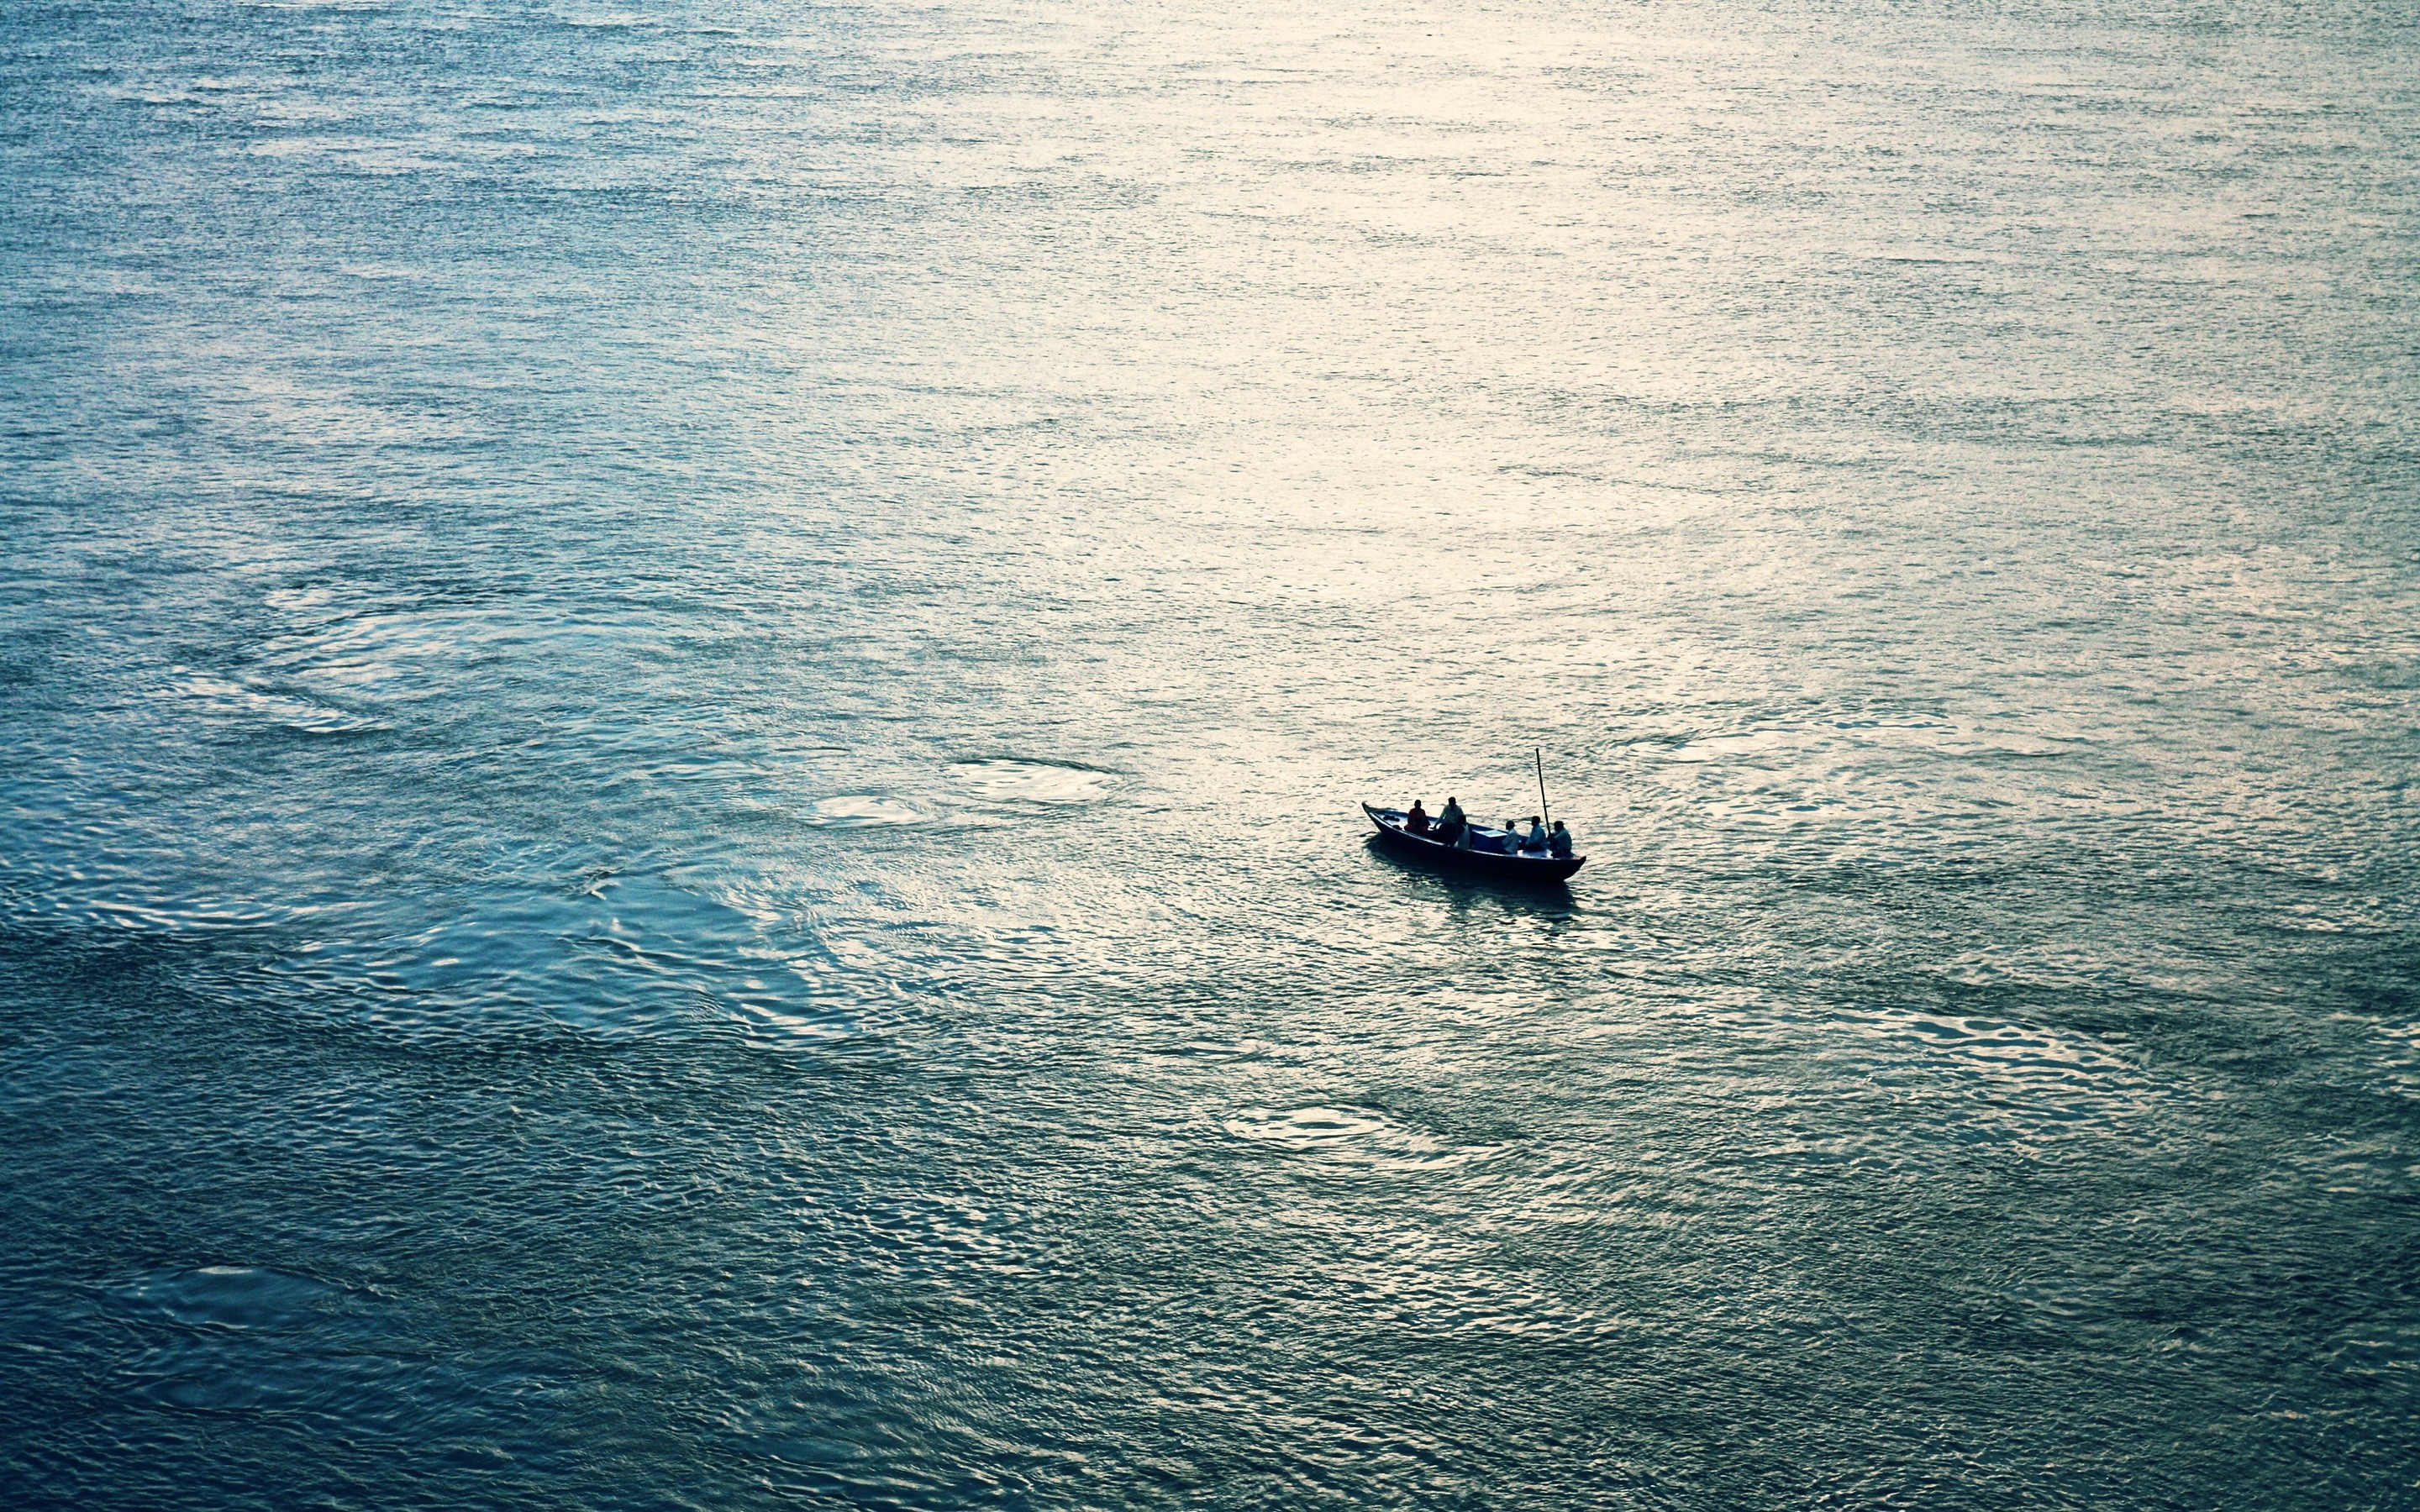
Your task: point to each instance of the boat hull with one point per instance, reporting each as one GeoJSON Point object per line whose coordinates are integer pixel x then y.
{"type": "Point", "coordinates": [1493, 864]}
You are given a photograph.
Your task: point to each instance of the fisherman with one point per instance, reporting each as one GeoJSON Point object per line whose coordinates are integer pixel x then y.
{"type": "Point", "coordinates": [1416, 822]}
{"type": "Point", "coordinates": [1559, 844]}
{"type": "Point", "coordinates": [1537, 840]}
{"type": "Point", "coordinates": [1454, 825]}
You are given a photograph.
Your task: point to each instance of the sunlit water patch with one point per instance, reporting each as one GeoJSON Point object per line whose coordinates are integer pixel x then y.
{"type": "Point", "coordinates": [1348, 1136]}
{"type": "Point", "coordinates": [1004, 779]}
{"type": "Point", "coordinates": [858, 811]}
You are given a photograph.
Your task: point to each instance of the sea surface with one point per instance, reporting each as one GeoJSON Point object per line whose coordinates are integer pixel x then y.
{"type": "Point", "coordinates": [684, 687]}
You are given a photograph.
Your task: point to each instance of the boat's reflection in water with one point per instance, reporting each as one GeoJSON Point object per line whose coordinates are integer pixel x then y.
{"type": "Point", "coordinates": [1539, 898]}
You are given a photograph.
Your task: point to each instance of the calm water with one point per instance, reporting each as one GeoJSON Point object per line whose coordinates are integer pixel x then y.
{"type": "Point", "coordinates": [684, 692]}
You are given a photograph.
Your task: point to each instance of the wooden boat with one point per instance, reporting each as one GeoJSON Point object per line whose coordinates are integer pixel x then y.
{"type": "Point", "coordinates": [1523, 866]}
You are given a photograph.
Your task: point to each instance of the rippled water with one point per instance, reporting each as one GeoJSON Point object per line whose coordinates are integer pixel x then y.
{"type": "Point", "coordinates": [685, 690]}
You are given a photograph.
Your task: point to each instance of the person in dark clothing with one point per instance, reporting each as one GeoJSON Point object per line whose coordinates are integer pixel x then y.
{"type": "Point", "coordinates": [1559, 844]}
{"type": "Point", "coordinates": [1454, 825]}
{"type": "Point", "coordinates": [1416, 822]}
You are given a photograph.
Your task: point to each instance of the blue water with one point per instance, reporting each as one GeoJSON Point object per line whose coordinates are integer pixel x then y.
{"type": "Point", "coordinates": [684, 692]}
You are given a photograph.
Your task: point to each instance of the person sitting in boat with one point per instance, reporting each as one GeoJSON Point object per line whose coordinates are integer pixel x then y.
{"type": "Point", "coordinates": [1454, 825]}
{"type": "Point", "coordinates": [1511, 841]}
{"type": "Point", "coordinates": [1559, 844]}
{"type": "Point", "coordinates": [1537, 840]}
{"type": "Point", "coordinates": [1416, 822]}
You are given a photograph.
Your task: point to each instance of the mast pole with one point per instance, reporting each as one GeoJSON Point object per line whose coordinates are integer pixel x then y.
{"type": "Point", "coordinates": [1545, 815]}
